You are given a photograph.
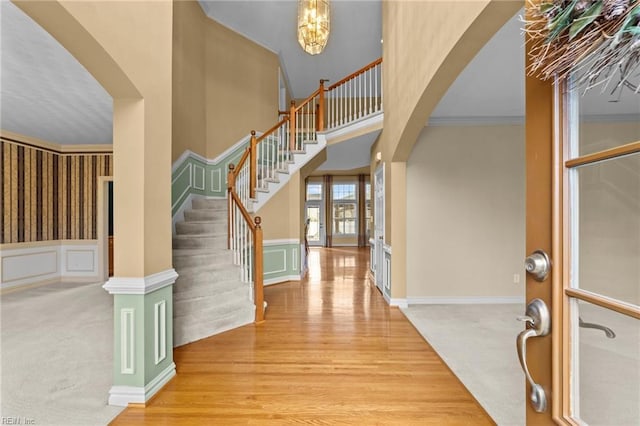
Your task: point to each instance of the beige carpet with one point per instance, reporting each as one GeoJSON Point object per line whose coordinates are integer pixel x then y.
{"type": "Point", "coordinates": [57, 355]}
{"type": "Point", "coordinates": [478, 343]}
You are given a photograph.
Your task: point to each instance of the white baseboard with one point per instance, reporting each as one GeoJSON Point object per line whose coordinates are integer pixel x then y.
{"type": "Point", "coordinates": [399, 302]}
{"type": "Point", "coordinates": [478, 300]}
{"type": "Point", "coordinates": [282, 279]}
{"type": "Point", "coordinates": [122, 396]}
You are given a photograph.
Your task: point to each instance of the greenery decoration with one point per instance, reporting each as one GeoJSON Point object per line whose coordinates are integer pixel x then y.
{"type": "Point", "coordinates": [596, 41]}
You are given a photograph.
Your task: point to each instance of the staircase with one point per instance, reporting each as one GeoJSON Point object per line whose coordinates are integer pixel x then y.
{"type": "Point", "coordinates": [218, 289]}
{"type": "Point", "coordinates": [209, 296]}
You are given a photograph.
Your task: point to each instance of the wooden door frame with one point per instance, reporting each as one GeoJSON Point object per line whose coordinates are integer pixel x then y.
{"type": "Point", "coordinates": [542, 194]}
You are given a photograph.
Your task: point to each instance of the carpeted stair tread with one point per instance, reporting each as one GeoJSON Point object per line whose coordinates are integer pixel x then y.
{"type": "Point", "coordinates": [201, 228]}
{"type": "Point", "coordinates": [219, 304]}
{"type": "Point", "coordinates": [205, 214]}
{"type": "Point", "coordinates": [208, 296]}
{"type": "Point", "coordinates": [189, 329]}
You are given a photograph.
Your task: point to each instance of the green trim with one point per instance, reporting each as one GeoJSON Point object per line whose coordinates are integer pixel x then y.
{"type": "Point", "coordinates": [281, 260]}
{"type": "Point", "coordinates": [198, 177]}
{"type": "Point", "coordinates": [143, 308]}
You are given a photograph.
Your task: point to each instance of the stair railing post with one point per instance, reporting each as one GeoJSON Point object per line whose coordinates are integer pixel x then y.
{"type": "Point", "coordinates": [320, 116]}
{"type": "Point", "coordinates": [253, 161]}
{"type": "Point", "coordinates": [258, 284]}
{"type": "Point", "coordinates": [292, 126]}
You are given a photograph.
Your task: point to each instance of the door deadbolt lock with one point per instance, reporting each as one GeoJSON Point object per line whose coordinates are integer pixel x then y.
{"type": "Point", "coordinates": [538, 264]}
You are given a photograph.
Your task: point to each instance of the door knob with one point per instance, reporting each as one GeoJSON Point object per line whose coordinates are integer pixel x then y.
{"type": "Point", "coordinates": [538, 323]}
{"type": "Point", "coordinates": [538, 264]}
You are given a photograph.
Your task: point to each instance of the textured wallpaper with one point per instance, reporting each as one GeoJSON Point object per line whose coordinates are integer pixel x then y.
{"type": "Point", "coordinates": [48, 195]}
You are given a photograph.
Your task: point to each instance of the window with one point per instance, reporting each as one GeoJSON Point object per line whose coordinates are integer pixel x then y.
{"type": "Point", "coordinates": [345, 209]}
{"type": "Point", "coordinates": [314, 191]}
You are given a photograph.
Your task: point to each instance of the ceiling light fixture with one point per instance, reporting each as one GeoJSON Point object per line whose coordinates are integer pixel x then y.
{"type": "Point", "coordinates": [313, 25]}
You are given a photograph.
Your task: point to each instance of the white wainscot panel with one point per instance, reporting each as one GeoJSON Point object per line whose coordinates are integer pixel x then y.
{"type": "Point", "coordinates": [27, 265]}
{"type": "Point", "coordinates": [79, 260]}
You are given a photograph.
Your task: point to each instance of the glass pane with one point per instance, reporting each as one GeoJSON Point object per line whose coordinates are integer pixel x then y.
{"type": "Point", "coordinates": [313, 228]}
{"type": "Point", "coordinates": [344, 191]}
{"type": "Point", "coordinates": [314, 191]}
{"type": "Point", "coordinates": [367, 191]}
{"type": "Point", "coordinates": [607, 120]}
{"type": "Point", "coordinates": [607, 369]}
{"type": "Point", "coordinates": [608, 228]}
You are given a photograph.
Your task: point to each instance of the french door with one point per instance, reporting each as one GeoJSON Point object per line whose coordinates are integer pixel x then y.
{"type": "Point", "coordinates": [315, 222]}
{"type": "Point", "coordinates": [581, 349]}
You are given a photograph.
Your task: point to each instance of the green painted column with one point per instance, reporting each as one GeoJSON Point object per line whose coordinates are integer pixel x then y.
{"type": "Point", "coordinates": [143, 336]}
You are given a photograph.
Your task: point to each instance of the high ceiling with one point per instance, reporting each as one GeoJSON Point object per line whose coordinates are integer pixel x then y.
{"type": "Point", "coordinates": [354, 41]}
{"type": "Point", "coordinates": [47, 94]}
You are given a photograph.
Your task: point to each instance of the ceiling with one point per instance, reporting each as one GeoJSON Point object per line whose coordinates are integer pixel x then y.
{"type": "Point", "coordinates": [47, 94]}
{"type": "Point", "coordinates": [354, 40]}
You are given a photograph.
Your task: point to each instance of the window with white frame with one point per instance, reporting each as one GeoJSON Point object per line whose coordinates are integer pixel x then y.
{"type": "Point", "coordinates": [345, 209]}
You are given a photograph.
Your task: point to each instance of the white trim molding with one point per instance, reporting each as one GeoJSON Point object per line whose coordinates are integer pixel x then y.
{"type": "Point", "coordinates": [369, 124]}
{"type": "Point", "coordinates": [464, 300]}
{"type": "Point", "coordinates": [399, 302]}
{"type": "Point", "coordinates": [122, 396]}
{"type": "Point", "coordinates": [143, 285]}
{"type": "Point", "coordinates": [282, 279]}
{"type": "Point", "coordinates": [279, 242]}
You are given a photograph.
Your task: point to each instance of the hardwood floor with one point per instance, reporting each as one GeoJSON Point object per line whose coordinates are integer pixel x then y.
{"type": "Point", "coordinates": [330, 352]}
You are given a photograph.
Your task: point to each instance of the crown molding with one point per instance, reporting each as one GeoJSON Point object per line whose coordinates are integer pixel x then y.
{"type": "Point", "coordinates": [62, 149]}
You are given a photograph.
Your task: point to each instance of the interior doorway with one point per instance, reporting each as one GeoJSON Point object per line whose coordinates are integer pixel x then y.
{"type": "Point", "coordinates": [378, 228]}
{"type": "Point", "coordinates": [105, 227]}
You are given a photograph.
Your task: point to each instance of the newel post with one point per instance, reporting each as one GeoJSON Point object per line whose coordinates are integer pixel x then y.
{"type": "Point", "coordinates": [258, 271]}
{"type": "Point", "coordinates": [292, 126]}
{"type": "Point", "coordinates": [252, 166]}
{"type": "Point", "coordinates": [320, 113]}
{"type": "Point", "coordinates": [231, 182]}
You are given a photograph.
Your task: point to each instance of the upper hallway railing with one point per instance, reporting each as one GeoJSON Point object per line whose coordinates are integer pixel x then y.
{"type": "Point", "coordinates": [355, 97]}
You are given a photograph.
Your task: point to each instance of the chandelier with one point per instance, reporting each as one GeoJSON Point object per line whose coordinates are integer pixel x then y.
{"type": "Point", "coordinates": [313, 25]}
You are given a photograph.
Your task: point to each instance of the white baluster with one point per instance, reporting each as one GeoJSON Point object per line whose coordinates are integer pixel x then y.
{"type": "Point", "coordinates": [370, 93]}
{"type": "Point", "coordinates": [381, 91]}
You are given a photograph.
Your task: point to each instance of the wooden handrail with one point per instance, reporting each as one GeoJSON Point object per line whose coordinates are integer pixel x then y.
{"type": "Point", "coordinates": [243, 159]}
{"type": "Point", "coordinates": [273, 129]}
{"type": "Point", "coordinates": [243, 210]}
{"type": "Point", "coordinates": [355, 74]}
{"type": "Point", "coordinates": [309, 99]}
{"type": "Point", "coordinates": [254, 225]}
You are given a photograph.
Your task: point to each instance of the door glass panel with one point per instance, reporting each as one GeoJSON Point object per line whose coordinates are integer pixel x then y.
{"type": "Point", "coordinates": [607, 370]}
{"type": "Point", "coordinates": [607, 120]}
{"type": "Point", "coordinates": [314, 191]}
{"type": "Point", "coordinates": [608, 222]}
{"type": "Point", "coordinates": [313, 230]}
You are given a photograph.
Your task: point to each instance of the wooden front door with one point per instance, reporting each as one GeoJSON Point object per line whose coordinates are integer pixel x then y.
{"type": "Point", "coordinates": [583, 210]}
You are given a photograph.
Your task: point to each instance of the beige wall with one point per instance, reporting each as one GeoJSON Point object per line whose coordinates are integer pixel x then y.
{"type": "Point", "coordinates": [466, 212]}
{"type": "Point", "coordinates": [189, 113]}
{"type": "Point", "coordinates": [281, 216]}
{"type": "Point", "coordinates": [132, 61]}
{"type": "Point", "coordinates": [241, 87]}
{"type": "Point", "coordinates": [426, 45]}
{"type": "Point", "coordinates": [224, 84]}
